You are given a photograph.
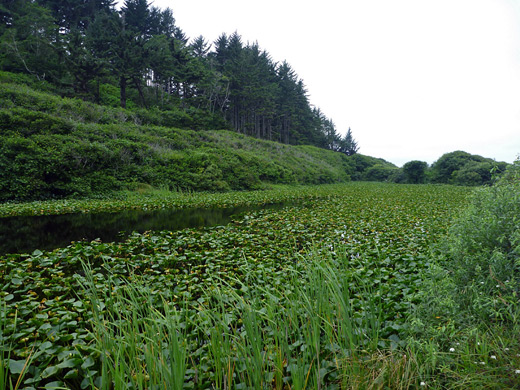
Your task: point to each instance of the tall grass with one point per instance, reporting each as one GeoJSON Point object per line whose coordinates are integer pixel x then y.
{"type": "Point", "coordinates": [302, 335]}
{"type": "Point", "coordinates": [141, 346]}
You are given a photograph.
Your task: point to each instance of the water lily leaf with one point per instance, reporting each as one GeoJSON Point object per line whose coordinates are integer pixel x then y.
{"type": "Point", "coordinates": [45, 345]}
{"type": "Point", "coordinates": [45, 326]}
{"type": "Point", "coordinates": [16, 366]}
{"type": "Point", "coordinates": [54, 385]}
{"type": "Point", "coordinates": [69, 363]}
{"type": "Point", "coordinates": [89, 362]}
{"type": "Point", "coordinates": [50, 371]}
{"type": "Point", "coordinates": [72, 374]}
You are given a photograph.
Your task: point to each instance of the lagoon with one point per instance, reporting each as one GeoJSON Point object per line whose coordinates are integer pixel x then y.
{"type": "Point", "coordinates": [25, 234]}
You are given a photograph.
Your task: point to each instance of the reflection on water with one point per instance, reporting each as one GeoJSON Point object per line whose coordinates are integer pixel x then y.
{"type": "Point", "coordinates": [25, 234]}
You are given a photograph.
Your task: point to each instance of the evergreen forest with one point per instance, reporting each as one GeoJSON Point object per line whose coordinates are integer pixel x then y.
{"type": "Point", "coordinates": [138, 57]}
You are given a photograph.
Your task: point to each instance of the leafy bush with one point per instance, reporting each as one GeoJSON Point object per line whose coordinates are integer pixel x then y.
{"type": "Point", "coordinates": [62, 147]}
{"type": "Point", "coordinates": [476, 278]}
{"type": "Point", "coordinates": [109, 95]}
{"type": "Point", "coordinates": [25, 122]}
{"type": "Point", "coordinates": [477, 173]}
{"type": "Point", "coordinates": [25, 79]}
{"type": "Point", "coordinates": [359, 165]}
{"type": "Point", "coordinates": [379, 172]}
{"type": "Point", "coordinates": [464, 169]}
{"type": "Point", "coordinates": [415, 171]}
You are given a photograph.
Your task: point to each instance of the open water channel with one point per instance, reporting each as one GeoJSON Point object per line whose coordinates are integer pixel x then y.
{"type": "Point", "coordinates": [25, 234]}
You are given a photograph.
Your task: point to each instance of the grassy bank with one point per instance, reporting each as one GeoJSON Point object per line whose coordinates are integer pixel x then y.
{"type": "Point", "coordinates": [54, 147]}
{"type": "Point", "coordinates": [147, 198]}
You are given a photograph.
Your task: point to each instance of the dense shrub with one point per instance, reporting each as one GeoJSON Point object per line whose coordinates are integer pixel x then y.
{"type": "Point", "coordinates": [473, 174]}
{"type": "Point", "coordinates": [379, 172]}
{"type": "Point", "coordinates": [415, 171]}
{"type": "Point", "coordinates": [359, 167]}
{"type": "Point", "coordinates": [462, 168]}
{"type": "Point", "coordinates": [62, 147]}
{"type": "Point", "coordinates": [475, 279]}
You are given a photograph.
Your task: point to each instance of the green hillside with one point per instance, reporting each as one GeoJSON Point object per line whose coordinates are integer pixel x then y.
{"type": "Point", "coordinates": [56, 147]}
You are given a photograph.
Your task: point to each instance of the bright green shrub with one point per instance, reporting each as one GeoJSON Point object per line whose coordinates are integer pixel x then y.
{"type": "Point", "coordinates": [26, 122]}
{"type": "Point", "coordinates": [483, 241]}
{"type": "Point", "coordinates": [358, 165]}
{"type": "Point", "coordinates": [477, 173]}
{"type": "Point", "coordinates": [109, 95]}
{"type": "Point", "coordinates": [462, 168]}
{"type": "Point", "coordinates": [476, 277]}
{"type": "Point", "coordinates": [378, 172]}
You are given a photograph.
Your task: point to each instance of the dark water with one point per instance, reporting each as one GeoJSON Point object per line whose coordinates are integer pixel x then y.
{"type": "Point", "coordinates": [25, 234]}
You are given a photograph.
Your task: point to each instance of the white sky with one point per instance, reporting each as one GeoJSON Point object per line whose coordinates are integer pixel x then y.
{"type": "Point", "coordinates": [414, 79]}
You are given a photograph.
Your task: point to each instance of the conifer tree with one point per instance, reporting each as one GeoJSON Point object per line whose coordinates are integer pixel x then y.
{"type": "Point", "coordinates": [348, 144]}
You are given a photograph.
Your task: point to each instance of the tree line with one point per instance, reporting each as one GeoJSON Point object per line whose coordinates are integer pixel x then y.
{"type": "Point", "coordinates": [137, 56]}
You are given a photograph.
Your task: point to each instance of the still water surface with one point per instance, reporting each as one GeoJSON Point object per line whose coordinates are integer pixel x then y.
{"type": "Point", "coordinates": [25, 234]}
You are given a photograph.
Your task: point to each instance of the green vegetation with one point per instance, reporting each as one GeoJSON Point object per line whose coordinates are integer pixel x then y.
{"type": "Point", "coordinates": [146, 198]}
{"type": "Point", "coordinates": [357, 289]}
{"type": "Point", "coordinates": [55, 147]}
{"type": "Point", "coordinates": [458, 168]}
{"type": "Point", "coordinates": [300, 295]}
{"type": "Point", "coordinates": [355, 285]}
{"type": "Point", "coordinates": [468, 316]}
{"type": "Point", "coordinates": [138, 58]}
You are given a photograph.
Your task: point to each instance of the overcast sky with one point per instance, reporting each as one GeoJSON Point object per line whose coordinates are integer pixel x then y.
{"type": "Point", "coordinates": [413, 79]}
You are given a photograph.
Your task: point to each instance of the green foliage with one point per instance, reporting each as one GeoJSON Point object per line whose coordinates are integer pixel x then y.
{"type": "Point", "coordinates": [28, 41]}
{"type": "Point", "coordinates": [464, 169]}
{"type": "Point", "coordinates": [252, 298]}
{"type": "Point", "coordinates": [379, 172]}
{"type": "Point", "coordinates": [60, 147]}
{"type": "Point", "coordinates": [465, 329]}
{"type": "Point", "coordinates": [359, 167]}
{"type": "Point", "coordinates": [109, 95]}
{"type": "Point", "coordinates": [475, 173]}
{"type": "Point", "coordinates": [484, 243]}
{"type": "Point", "coordinates": [476, 277]}
{"type": "Point", "coordinates": [415, 171]}
{"type": "Point", "coordinates": [27, 80]}
{"type": "Point", "coordinates": [137, 56]}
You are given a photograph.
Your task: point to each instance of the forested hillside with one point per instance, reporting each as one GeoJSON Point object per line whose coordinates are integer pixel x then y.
{"type": "Point", "coordinates": [138, 57]}
{"type": "Point", "coordinates": [95, 99]}
{"type": "Point", "coordinates": [55, 147]}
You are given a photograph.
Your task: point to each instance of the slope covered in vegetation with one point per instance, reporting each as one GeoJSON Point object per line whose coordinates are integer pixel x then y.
{"type": "Point", "coordinates": [133, 54]}
{"type": "Point", "coordinates": [58, 147]}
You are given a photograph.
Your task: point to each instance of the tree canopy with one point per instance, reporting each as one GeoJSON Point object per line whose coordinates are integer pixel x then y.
{"type": "Point", "coordinates": [90, 49]}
